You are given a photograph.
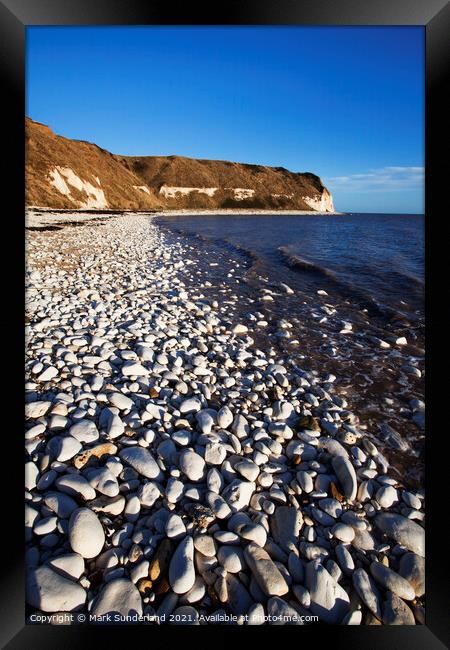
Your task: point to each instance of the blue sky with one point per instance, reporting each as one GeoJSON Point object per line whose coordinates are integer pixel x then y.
{"type": "Point", "coordinates": [346, 103]}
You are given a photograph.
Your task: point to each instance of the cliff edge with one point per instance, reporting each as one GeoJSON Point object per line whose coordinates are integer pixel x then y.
{"type": "Point", "coordinates": [73, 174]}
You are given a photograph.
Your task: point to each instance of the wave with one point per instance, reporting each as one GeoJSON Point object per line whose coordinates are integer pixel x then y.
{"type": "Point", "coordinates": [247, 252]}
{"type": "Point", "coordinates": [297, 262]}
{"type": "Point", "coordinates": [410, 279]}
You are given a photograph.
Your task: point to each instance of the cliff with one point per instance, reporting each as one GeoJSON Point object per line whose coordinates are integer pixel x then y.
{"type": "Point", "coordinates": [65, 173]}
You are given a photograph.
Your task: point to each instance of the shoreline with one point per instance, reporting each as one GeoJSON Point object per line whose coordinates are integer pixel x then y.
{"type": "Point", "coordinates": [237, 211]}
{"type": "Point", "coordinates": [187, 211]}
{"type": "Point", "coordinates": [211, 446]}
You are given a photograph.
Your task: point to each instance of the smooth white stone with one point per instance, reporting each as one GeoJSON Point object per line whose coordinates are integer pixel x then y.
{"type": "Point", "coordinates": [329, 601]}
{"type": "Point", "coordinates": [148, 494]}
{"type": "Point", "coordinates": [71, 565]}
{"type": "Point", "coordinates": [132, 368]}
{"type": "Point", "coordinates": [265, 571]}
{"type": "Point", "coordinates": [119, 596]}
{"type": "Point", "coordinates": [45, 526]}
{"type": "Point", "coordinates": [75, 485]}
{"type": "Point", "coordinates": [48, 591]}
{"type": "Point", "coordinates": [248, 469]}
{"type": "Point", "coordinates": [175, 528]}
{"type": "Point", "coordinates": [49, 373]}
{"type": "Point", "coordinates": [31, 475]}
{"type": "Point", "coordinates": [192, 465]}
{"type": "Point", "coordinates": [121, 401]}
{"type": "Point", "coordinates": [238, 494]}
{"type": "Point", "coordinates": [346, 475]}
{"type": "Point", "coordinates": [64, 448]}
{"type": "Point", "coordinates": [86, 535]}
{"type": "Point", "coordinates": [141, 460]}
{"type": "Point", "coordinates": [181, 568]}
{"type": "Point", "coordinates": [215, 453]}
{"type": "Point", "coordinates": [84, 431]}
{"type": "Point", "coordinates": [343, 533]}
{"type": "Point", "coordinates": [403, 531]}
{"type": "Point", "coordinates": [367, 591]}
{"type": "Point", "coordinates": [392, 581]}
{"type": "Point", "coordinates": [231, 558]}
{"type": "Point", "coordinates": [36, 409]}
{"type": "Point", "coordinates": [61, 504]}
{"type": "Point", "coordinates": [224, 417]}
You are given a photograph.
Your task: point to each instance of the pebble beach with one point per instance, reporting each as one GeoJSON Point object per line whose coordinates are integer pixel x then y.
{"type": "Point", "coordinates": [180, 467]}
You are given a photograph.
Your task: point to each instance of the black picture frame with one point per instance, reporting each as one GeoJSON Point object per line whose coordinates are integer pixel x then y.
{"type": "Point", "coordinates": [15, 16]}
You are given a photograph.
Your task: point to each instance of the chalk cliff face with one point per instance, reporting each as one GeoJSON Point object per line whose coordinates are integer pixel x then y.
{"type": "Point", "coordinates": [64, 173]}
{"type": "Point", "coordinates": [323, 203]}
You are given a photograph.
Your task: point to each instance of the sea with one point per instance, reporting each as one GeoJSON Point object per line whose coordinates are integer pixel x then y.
{"type": "Point", "coordinates": [372, 258]}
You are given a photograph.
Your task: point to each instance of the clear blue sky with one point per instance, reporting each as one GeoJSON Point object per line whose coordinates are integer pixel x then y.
{"type": "Point", "coordinates": [346, 103]}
